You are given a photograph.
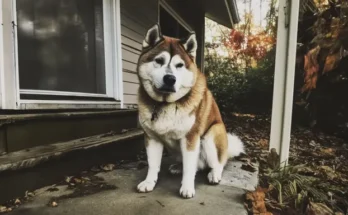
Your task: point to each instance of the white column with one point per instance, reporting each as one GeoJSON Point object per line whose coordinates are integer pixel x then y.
{"type": "Point", "coordinates": [284, 77]}
{"type": "Point", "coordinates": [8, 81]}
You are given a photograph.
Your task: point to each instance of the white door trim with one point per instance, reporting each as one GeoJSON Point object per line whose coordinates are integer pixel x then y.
{"type": "Point", "coordinates": [284, 78]}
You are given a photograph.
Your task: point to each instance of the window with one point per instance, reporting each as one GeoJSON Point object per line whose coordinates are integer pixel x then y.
{"type": "Point", "coordinates": [171, 23]}
{"type": "Point", "coordinates": [61, 45]}
{"type": "Point", "coordinates": [66, 52]}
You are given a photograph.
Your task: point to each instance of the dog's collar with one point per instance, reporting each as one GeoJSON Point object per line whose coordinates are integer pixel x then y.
{"type": "Point", "coordinates": [156, 108]}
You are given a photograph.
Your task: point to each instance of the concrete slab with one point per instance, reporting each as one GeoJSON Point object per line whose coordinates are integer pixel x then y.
{"type": "Point", "coordinates": [165, 199]}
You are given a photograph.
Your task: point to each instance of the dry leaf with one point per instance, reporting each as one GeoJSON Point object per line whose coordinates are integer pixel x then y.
{"type": "Point", "coordinates": [332, 61]}
{"type": "Point", "coordinates": [311, 68]}
{"type": "Point", "coordinates": [318, 209]}
{"type": "Point", "coordinates": [77, 180]}
{"type": "Point", "coordinates": [17, 202]}
{"type": "Point", "coordinates": [263, 143]}
{"type": "Point", "coordinates": [256, 200]}
{"type": "Point", "coordinates": [29, 194]}
{"type": "Point", "coordinates": [68, 179]}
{"type": "Point", "coordinates": [3, 209]}
{"type": "Point", "coordinates": [249, 167]}
{"type": "Point", "coordinates": [328, 151]}
{"type": "Point", "coordinates": [108, 167]}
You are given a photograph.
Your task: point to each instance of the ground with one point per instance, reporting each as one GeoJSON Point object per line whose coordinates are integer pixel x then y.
{"type": "Point", "coordinates": [314, 155]}
{"type": "Point", "coordinates": [317, 164]}
{"type": "Point", "coordinates": [111, 190]}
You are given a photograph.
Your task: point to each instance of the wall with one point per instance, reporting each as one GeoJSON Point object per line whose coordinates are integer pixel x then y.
{"type": "Point", "coordinates": [136, 17]}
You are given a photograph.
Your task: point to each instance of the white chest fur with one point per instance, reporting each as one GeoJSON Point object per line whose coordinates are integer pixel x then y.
{"type": "Point", "coordinates": [170, 124]}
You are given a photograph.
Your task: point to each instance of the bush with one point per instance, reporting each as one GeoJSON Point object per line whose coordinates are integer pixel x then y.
{"type": "Point", "coordinates": [237, 90]}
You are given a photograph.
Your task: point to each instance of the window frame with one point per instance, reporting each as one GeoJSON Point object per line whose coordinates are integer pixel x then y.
{"type": "Point", "coordinates": [9, 73]}
{"type": "Point", "coordinates": [173, 13]}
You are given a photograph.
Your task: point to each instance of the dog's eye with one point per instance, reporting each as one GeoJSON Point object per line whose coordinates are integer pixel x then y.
{"type": "Point", "coordinates": [179, 65]}
{"type": "Point", "coordinates": [160, 61]}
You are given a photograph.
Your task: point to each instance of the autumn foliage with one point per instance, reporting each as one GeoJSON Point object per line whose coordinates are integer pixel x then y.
{"type": "Point", "coordinates": [248, 45]}
{"type": "Point", "coordinates": [330, 32]}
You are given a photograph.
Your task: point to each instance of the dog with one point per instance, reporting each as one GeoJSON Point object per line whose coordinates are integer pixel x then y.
{"type": "Point", "coordinates": [178, 112]}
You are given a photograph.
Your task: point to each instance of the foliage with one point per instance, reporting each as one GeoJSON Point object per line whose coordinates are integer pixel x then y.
{"type": "Point", "coordinates": [322, 59]}
{"type": "Point", "coordinates": [237, 90]}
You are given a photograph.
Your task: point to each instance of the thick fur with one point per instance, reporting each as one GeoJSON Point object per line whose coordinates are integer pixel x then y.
{"type": "Point", "coordinates": [186, 120]}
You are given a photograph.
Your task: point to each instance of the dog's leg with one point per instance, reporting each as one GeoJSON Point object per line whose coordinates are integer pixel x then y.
{"type": "Point", "coordinates": [190, 147]}
{"type": "Point", "coordinates": [214, 147]}
{"type": "Point", "coordinates": [154, 150]}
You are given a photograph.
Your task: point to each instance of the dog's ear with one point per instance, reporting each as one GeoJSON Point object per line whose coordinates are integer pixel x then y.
{"type": "Point", "coordinates": [153, 36]}
{"type": "Point", "coordinates": [190, 45]}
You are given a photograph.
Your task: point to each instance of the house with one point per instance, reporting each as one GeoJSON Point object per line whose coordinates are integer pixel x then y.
{"type": "Point", "coordinates": [68, 71]}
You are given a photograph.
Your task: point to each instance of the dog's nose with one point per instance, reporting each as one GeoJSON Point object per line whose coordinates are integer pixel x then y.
{"type": "Point", "coordinates": [169, 80]}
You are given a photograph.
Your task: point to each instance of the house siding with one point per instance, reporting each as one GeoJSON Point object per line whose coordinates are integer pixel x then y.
{"type": "Point", "coordinates": [136, 17]}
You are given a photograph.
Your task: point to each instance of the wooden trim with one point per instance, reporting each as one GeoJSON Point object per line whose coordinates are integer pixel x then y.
{"type": "Point", "coordinates": [10, 119]}
{"type": "Point", "coordinates": [40, 154]}
{"type": "Point", "coordinates": [174, 14]}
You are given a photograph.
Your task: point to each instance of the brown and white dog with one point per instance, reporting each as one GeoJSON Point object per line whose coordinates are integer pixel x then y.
{"type": "Point", "coordinates": [177, 111]}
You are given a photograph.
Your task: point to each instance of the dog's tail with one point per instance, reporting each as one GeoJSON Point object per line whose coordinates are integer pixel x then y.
{"type": "Point", "coordinates": [235, 145]}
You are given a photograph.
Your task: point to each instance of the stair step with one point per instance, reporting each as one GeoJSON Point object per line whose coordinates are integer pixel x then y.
{"type": "Point", "coordinates": [36, 155]}
{"type": "Point", "coordinates": [48, 164]}
{"type": "Point", "coordinates": [23, 131]}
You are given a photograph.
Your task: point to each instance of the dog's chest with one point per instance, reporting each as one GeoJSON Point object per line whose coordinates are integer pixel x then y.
{"type": "Point", "coordinates": [169, 122]}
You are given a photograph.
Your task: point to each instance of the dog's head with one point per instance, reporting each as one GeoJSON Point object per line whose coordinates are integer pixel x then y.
{"type": "Point", "coordinates": [166, 67]}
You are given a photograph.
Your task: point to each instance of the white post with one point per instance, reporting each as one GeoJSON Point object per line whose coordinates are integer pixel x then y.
{"type": "Point", "coordinates": [284, 77]}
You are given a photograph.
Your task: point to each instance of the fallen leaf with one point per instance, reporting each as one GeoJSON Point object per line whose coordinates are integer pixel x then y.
{"type": "Point", "coordinates": [17, 202]}
{"type": "Point", "coordinates": [68, 179]}
{"type": "Point", "coordinates": [52, 203]}
{"type": "Point", "coordinates": [249, 167]}
{"type": "Point", "coordinates": [263, 143]}
{"type": "Point", "coordinates": [3, 209]}
{"type": "Point", "coordinates": [29, 194]}
{"type": "Point", "coordinates": [256, 201]}
{"type": "Point", "coordinates": [318, 209]}
{"type": "Point", "coordinates": [108, 167]}
{"type": "Point", "coordinates": [332, 61]}
{"type": "Point", "coordinates": [52, 189]}
{"type": "Point", "coordinates": [327, 151]}
{"type": "Point", "coordinates": [77, 180]}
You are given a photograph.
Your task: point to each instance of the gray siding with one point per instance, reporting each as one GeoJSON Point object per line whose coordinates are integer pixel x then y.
{"type": "Point", "coordinates": [136, 17]}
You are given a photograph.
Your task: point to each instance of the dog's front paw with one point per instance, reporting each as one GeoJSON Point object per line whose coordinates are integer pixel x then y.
{"type": "Point", "coordinates": [214, 177]}
{"type": "Point", "coordinates": [146, 186]}
{"type": "Point", "coordinates": [187, 191]}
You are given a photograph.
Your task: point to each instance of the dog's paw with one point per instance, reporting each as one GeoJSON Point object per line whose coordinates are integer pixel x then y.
{"type": "Point", "coordinates": [214, 177]}
{"type": "Point", "coordinates": [146, 186]}
{"type": "Point", "coordinates": [187, 192]}
{"type": "Point", "coordinates": [175, 169]}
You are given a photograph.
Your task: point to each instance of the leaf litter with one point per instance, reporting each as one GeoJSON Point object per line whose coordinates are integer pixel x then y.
{"type": "Point", "coordinates": [315, 181]}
